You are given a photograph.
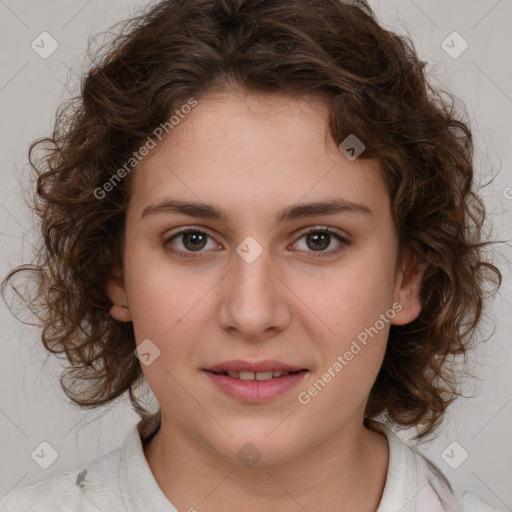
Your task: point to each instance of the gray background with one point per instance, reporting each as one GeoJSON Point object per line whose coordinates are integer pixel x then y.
{"type": "Point", "coordinates": [32, 407]}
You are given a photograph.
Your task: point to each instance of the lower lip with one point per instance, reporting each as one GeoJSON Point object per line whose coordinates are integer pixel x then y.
{"type": "Point", "coordinates": [256, 390]}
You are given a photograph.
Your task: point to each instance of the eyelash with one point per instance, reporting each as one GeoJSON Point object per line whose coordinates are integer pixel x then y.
{"type": "Point", "coordinates": [317, 255]}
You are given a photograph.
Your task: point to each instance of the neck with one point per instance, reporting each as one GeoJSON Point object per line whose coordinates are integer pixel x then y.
{"type": "Point", "coordinates": [194, 477]}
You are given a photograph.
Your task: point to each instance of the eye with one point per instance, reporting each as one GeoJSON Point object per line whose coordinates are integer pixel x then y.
{"type": "Point", "coordinates": [319, 239]}
{"type": "Point", "coordinates": [188, 241]}
{"type": "Point", "coordinates": [192, 240]}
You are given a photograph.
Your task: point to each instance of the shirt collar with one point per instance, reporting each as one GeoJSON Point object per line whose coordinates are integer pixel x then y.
{"type": "Point", "coordinates": [400, 489]}
{"type": "Point", "coordinates": [138, 485]}
{"type": "Point", "coordinates": [141, 491]}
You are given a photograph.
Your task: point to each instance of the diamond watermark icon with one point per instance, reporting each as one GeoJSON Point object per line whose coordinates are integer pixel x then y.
{"type": "Point", "coordinates": [454, 45]}
{"type": "Point", "coordinates": [146, 352]}
{"type": "Point", "coordinates": [249, 249]}
{"type": "Point", "coordinates": [44, 45]}
{"type": "Point", "coordinates": [352, 147]}
{"type": "Point", "coordinates": [454, 455]}
{"type": "Point", "coordinates": [249, 455]}
{"type": "Point", "coordinates": [44, 455]}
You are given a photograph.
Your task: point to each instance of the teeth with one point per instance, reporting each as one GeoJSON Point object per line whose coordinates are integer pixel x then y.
{"type": "Point", "coordinates": [235, 374]}
{"type": "Point", "coordinates": [264, 375]}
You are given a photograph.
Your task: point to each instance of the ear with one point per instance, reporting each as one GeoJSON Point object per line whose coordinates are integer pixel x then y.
{"type": "Point", "coordinates": [407, 289]}
{"type": "Point", "coordinates": [116, 292]}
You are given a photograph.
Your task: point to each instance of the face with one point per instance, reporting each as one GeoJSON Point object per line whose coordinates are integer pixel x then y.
{"type": "Point", "coordinates": [268, 285]}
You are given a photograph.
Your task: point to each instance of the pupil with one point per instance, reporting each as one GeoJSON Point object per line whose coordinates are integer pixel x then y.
{"type": "Point", "coordinates": [195, 239]}
{"type": "Point", "coordinates": [322, 237]}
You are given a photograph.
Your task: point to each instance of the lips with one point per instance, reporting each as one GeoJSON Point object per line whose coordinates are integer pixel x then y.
{"type": "Point", "coordinates": [255, 381]}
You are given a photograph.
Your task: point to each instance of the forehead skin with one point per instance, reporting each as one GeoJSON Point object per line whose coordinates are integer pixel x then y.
{"type": "Point", "coordinates": [254, 154]}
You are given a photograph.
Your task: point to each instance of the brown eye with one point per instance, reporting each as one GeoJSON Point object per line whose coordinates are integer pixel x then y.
{"type": "Point", "coordinates": [194, 241]}
{"type": "Point", "coordinates": [189, 241]}
{"type": "Point", "coordinates": [318, 240]}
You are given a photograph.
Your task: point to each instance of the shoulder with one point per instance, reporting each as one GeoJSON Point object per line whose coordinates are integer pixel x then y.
{"type": "Point", "coordinates": [119, 481]}
{"type": "Point", "coordinates": [437, 489]}
{"type": "Point", "coordinates": [90, 487]}
{"type": "Point", "coordinates": [415, 483]}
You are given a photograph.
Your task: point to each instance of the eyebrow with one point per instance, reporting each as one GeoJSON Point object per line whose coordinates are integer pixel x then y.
{"type": "Point", "coordinates": [296, 211]}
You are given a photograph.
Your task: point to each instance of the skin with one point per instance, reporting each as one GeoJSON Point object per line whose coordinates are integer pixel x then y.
{"type": "Point", "coordinates": [253, 154]}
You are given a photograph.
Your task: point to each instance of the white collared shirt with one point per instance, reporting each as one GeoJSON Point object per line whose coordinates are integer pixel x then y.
{"type": "Point", "coordinates": [122, 481]}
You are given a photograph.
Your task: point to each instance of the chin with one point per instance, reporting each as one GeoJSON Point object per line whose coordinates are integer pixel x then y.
{"type": "Point", "coordinates": [259, 447]}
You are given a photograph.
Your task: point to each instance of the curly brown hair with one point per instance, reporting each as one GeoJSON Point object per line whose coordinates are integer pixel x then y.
{"type": "Point", "coordinates": [376, 87]}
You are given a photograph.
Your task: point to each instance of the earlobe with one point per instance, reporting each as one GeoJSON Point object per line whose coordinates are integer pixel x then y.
{"type": "Point", "coordinates": [409, 281]}
{"type": "Point", "coordinates": [117, 293]}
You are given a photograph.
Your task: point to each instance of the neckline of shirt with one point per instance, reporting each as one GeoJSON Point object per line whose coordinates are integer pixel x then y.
{"type": "Point", "coordinates": [141, 491]}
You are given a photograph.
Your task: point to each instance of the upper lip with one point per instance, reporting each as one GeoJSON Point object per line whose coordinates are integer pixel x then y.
{"type": "Point", "coordinates": [257, 366]}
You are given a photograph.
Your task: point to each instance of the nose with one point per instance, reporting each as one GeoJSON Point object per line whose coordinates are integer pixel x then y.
{"type": "Point", "coordinates": [253, 303]}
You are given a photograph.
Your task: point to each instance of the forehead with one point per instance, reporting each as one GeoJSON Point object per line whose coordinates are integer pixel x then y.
{"type": "Point", "coordinates": [252, 152]}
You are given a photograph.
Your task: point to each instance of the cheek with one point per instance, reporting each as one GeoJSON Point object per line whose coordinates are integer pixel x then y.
{"type": "Point", "coordinates": [344, 303]}
{"type": "Point", "coordinates": [162, 297]}
{"type": "Point", "coordinates": [170, 309]}
{"type": "Point", "coordinates": [352, 350]}
{"type": "Point", "coordinates": [355, 309]}
{"type": "Point", "coordinates": [169, 312]}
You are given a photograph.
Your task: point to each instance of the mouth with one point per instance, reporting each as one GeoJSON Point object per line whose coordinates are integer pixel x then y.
{"type": "Point", "coordinates": [259, 376]}
{"type": "Point", "coordinates": [255, 382]}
